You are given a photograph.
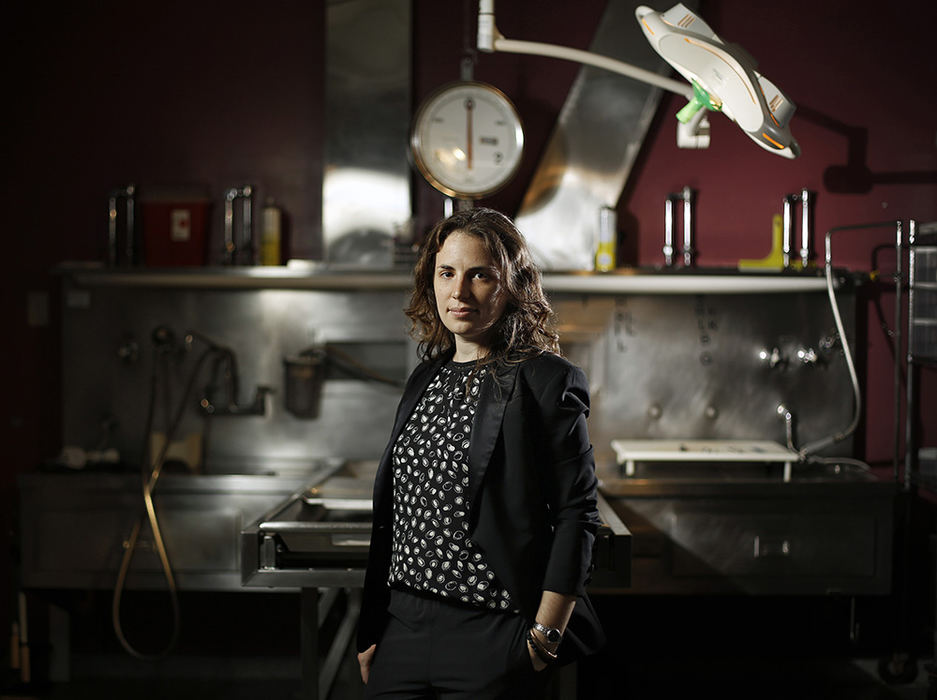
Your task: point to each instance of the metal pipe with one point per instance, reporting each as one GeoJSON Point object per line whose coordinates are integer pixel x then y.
{"type": "Point", "coordinates": [536, 48]}
{"type": "Point", "coordinates": [486, 26]}
{"type": "Point", "coordinates": [688, 252]}
{"type": "Point", "coordinates": [805, 232]}
{"type": "Point", "coordinates": [847, 353]}
{"type": "Point", "coordinates": [788, 417]}
{"type": "Point", "coordinates": [668, 231]}
{"type": "Point", "coordinates": [489, 40]}
{"type": "Point", "coordinates": [899, 253]}
{"type": "Point", "coordinates": [787, 244]}
{"type": "Point", "coordinates": [910, 379]}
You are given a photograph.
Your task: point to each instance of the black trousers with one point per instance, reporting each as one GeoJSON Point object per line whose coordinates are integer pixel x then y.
{"type": "Point", "coordinates": [436, 649]}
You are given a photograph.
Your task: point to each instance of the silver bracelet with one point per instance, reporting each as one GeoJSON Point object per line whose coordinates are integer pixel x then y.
{"type": "Point", "coordinates": [551, 634]}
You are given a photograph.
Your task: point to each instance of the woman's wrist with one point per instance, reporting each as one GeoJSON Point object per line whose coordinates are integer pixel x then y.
{"type": "Point", "coordinates": [543, 640]}
{"type": "Point", "coordinates": [541, 647]}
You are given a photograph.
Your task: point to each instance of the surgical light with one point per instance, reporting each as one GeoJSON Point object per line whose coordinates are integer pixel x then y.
{"type": "Point", "coordinates": [722, 76]}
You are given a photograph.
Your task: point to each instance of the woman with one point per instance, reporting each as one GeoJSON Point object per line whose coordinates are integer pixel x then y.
{"type": "Point", "coordinates": [485, 498]}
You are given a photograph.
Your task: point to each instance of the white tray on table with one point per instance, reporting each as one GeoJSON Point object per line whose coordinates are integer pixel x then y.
{"type": "Point", "coordinates": [630, 451]}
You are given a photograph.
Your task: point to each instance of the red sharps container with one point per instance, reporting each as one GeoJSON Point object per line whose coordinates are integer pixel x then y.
{"type": "Point", "coordinates": [175, 229]}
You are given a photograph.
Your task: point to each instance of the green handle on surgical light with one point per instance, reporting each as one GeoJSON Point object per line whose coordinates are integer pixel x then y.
{"type": "Point", "coordinates": [700, 99]}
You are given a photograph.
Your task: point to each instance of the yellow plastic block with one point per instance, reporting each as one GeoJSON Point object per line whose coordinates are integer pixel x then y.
{"type": "Point", "coordinates": [775, 259]}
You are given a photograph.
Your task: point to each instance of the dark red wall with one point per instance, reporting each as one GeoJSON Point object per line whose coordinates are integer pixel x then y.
{"type": "Point", "coordinates": [865, 123]}
{"type": "Point", "coordinates": [99, 94]}
{"type": "Point", "coordinates": [861, 78]}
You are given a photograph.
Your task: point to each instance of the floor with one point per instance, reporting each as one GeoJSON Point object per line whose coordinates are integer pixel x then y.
{"type": "Point", "coordinates": [659, 648]}
{"type": "Point", "coordinates": [709, 676]}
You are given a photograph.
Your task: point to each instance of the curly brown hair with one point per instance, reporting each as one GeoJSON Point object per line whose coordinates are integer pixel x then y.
{"type": "Point", "coordinates": [527, 327]}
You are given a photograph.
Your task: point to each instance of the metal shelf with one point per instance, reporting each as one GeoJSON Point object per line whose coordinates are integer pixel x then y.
{"type": "Point", "coordinates": [324, 277]}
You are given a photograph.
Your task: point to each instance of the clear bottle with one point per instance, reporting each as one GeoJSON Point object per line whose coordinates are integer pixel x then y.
{"type": "Point", "coordinates": [607, 240]}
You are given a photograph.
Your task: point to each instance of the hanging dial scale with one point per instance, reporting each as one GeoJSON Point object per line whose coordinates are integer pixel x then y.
{"type": "Point", "coordinates": [467, 139]}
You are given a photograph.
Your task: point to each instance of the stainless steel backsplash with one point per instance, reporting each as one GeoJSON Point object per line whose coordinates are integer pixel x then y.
{"type": "Point", "coordinates": [661, 366]}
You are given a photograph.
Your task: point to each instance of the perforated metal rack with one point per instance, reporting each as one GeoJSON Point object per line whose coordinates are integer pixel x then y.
{"type": "Point", "coordinates": [921, 357]}
{"type": "Point", "coordinates": [922, 333]}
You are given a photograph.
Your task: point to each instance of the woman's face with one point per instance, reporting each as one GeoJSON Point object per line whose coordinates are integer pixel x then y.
{"type": "Point", "coordinates": [470, 297]}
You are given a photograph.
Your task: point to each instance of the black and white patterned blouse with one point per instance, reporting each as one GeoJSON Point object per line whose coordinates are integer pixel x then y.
{"type": "Point", "coordinates": [431, 550]}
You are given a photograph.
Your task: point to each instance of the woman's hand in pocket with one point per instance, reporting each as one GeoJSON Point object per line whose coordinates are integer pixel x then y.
{"type": "Point", "coordinates": [535, 660]}
{"type": "Point", "coordinates": [364, 661]}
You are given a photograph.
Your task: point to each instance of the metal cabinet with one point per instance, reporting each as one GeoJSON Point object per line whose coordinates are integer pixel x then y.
{"type": "Point", "coordinates": [798, 538]}
{"type": "Point", "coordinates": [74, 528]}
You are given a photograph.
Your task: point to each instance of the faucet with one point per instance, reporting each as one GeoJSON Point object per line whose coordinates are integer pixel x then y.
{"type": "Point", "coordinates": [258, 407]}
{"type": "Point", "coordinates": [788, 417]}
{"type": "Point", "coordinates": [226, 361]}
{"type": "Point", "coordinates": [808, 356]}
{"type": "Point", "coordinates": [772, 358]}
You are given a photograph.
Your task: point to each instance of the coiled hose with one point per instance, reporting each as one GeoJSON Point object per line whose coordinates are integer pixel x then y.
{"type": "Point", "coordinates": [150, 474]}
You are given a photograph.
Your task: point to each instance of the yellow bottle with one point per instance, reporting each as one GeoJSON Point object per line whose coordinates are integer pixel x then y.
{"type": "Point", "coordinates": [270, 233]}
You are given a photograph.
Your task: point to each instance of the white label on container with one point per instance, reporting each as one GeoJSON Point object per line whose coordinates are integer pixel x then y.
{"type": "Point", "coordinates": [180, 227]}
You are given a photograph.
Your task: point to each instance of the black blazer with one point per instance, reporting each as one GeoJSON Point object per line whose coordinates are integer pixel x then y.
{"type": "Point", "coordinates": [532, 493]}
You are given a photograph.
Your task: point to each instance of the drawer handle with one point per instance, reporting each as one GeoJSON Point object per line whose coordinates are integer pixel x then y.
{"type": "Point", "coordinates": [771, 547]}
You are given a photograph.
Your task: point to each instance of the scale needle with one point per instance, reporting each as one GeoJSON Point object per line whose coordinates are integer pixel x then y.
{"type": "Point", "coordinates": [469, 106]}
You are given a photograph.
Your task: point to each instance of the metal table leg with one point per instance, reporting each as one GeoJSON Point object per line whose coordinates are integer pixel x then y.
{"type": "Point", "coordinates": [309, 642]}
{"type": "Point", "coordinates": [317, 682]}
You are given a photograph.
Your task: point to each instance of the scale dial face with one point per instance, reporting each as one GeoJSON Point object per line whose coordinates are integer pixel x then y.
{"type": "Point", "coordinates": [467, 139]}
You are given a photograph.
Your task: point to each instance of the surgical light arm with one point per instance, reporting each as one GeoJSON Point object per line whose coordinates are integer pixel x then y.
{"type": "Point", "coordinates": [722, 76]}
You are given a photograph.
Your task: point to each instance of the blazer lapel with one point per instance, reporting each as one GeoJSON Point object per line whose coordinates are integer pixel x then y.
{"type": "Point", "coordinates": [492, 401]}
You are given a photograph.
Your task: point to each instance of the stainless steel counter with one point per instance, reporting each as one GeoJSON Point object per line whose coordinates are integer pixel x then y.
{"type": "Point", "coordinates": [308, 542]}
{"type": "Point", "coordinates": [74, 527]}
{"type": "Point", "coordinates": [738, 530]}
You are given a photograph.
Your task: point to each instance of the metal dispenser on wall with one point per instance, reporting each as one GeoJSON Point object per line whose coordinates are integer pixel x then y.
{"type": "Point", "coordinates": [238, 245]}
{"type": "Point", "coordinates": [302, 380]}
{"type": "Point", "coordinates": [805, 197]}
{"type": "Point", "coordinates": [686, 195]}
{"type": "Point", "coordinates": [122, 246]}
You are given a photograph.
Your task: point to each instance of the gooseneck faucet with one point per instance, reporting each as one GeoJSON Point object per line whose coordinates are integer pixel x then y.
{"type": "Point", "coordinates": [225, 364]}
